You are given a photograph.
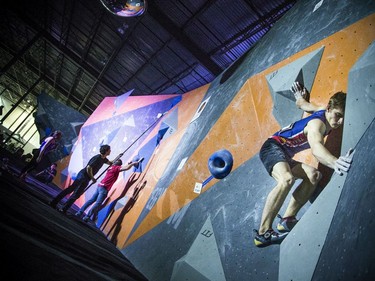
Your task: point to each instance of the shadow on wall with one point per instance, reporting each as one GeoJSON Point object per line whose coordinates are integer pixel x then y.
{"type": "Point", "coordinates": [111, 206]}
{"type": "Point", "coordinates": [116, 227]}
{"type": "Point", "coordinates": [334, 146]}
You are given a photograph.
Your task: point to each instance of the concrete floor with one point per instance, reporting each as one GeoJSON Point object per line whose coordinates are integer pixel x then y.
{"type": "Point", "coordinates": [39, 243]}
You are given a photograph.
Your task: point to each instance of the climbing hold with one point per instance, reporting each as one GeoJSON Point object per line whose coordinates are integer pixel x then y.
{"type": "Point", "coordinates": [220, 163]}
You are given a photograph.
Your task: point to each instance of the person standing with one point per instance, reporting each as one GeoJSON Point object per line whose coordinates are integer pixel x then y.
{"type": "Point", "coordinates": [48, 145]}
{"type": "Point", "coordinates": [77, 188]}
{"type": "Point", "coordinates": [276, 155]}
{"type": "Point", "coordinates": [103, 188]}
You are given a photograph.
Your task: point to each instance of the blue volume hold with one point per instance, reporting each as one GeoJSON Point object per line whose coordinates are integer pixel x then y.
{"type": "Point", "coordinates": [220, 164]}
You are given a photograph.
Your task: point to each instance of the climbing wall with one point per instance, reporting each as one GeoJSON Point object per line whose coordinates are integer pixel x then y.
{"type": "Point", "coordinates": [172, 230]}
{"type": "Point", "coordinates": [342, 219]}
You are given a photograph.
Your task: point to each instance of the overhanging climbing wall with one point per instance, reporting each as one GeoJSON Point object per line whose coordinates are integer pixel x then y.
{"type": "Point", "coordinates": [170, 232]}
{"type": "Point", "coordinates": [340, 222]}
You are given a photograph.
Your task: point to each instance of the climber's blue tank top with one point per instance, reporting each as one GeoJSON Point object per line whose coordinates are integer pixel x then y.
{"type": "Point", "coordinates": [292, 138]}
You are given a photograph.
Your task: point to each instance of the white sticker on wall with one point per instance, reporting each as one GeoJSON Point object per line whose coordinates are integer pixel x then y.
{"type": "Point", "coordinates": [200, 109]}
{"type": "Point", "coordinates": [317, 6]}
{"type": "Point", "coordinates": [198, 187]}
{"type": "Point", "coordinates": [182, 163]}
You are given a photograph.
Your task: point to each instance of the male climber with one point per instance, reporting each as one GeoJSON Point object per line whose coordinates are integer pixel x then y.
{"type": "Point", "coordinates": [276, 155]}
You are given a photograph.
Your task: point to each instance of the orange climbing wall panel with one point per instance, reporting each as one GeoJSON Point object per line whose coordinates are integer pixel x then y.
{"type": "Point", "coordinates": [245, 124]}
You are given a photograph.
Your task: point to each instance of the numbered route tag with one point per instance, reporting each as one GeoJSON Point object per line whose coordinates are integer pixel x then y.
{"type": "Point", "coordinates": [198, 187]}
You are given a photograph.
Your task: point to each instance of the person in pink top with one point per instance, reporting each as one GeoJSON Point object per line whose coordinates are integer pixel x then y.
{"type": "Point", "coordinates": [103, 188]}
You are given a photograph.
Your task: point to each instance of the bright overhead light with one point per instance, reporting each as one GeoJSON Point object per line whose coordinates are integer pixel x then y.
{"type": "Point", "coordinates": [125, 8]}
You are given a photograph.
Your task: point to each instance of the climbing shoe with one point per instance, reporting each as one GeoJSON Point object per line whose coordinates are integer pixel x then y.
{"type": "Point", "coordinates": [78, 214]}
{"type": "Point", "coordinates": [286, 224]}
{"type": "Point", "coordinates": [61, 210]}
{"type": "Point", "coordinates": [270, 237]}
